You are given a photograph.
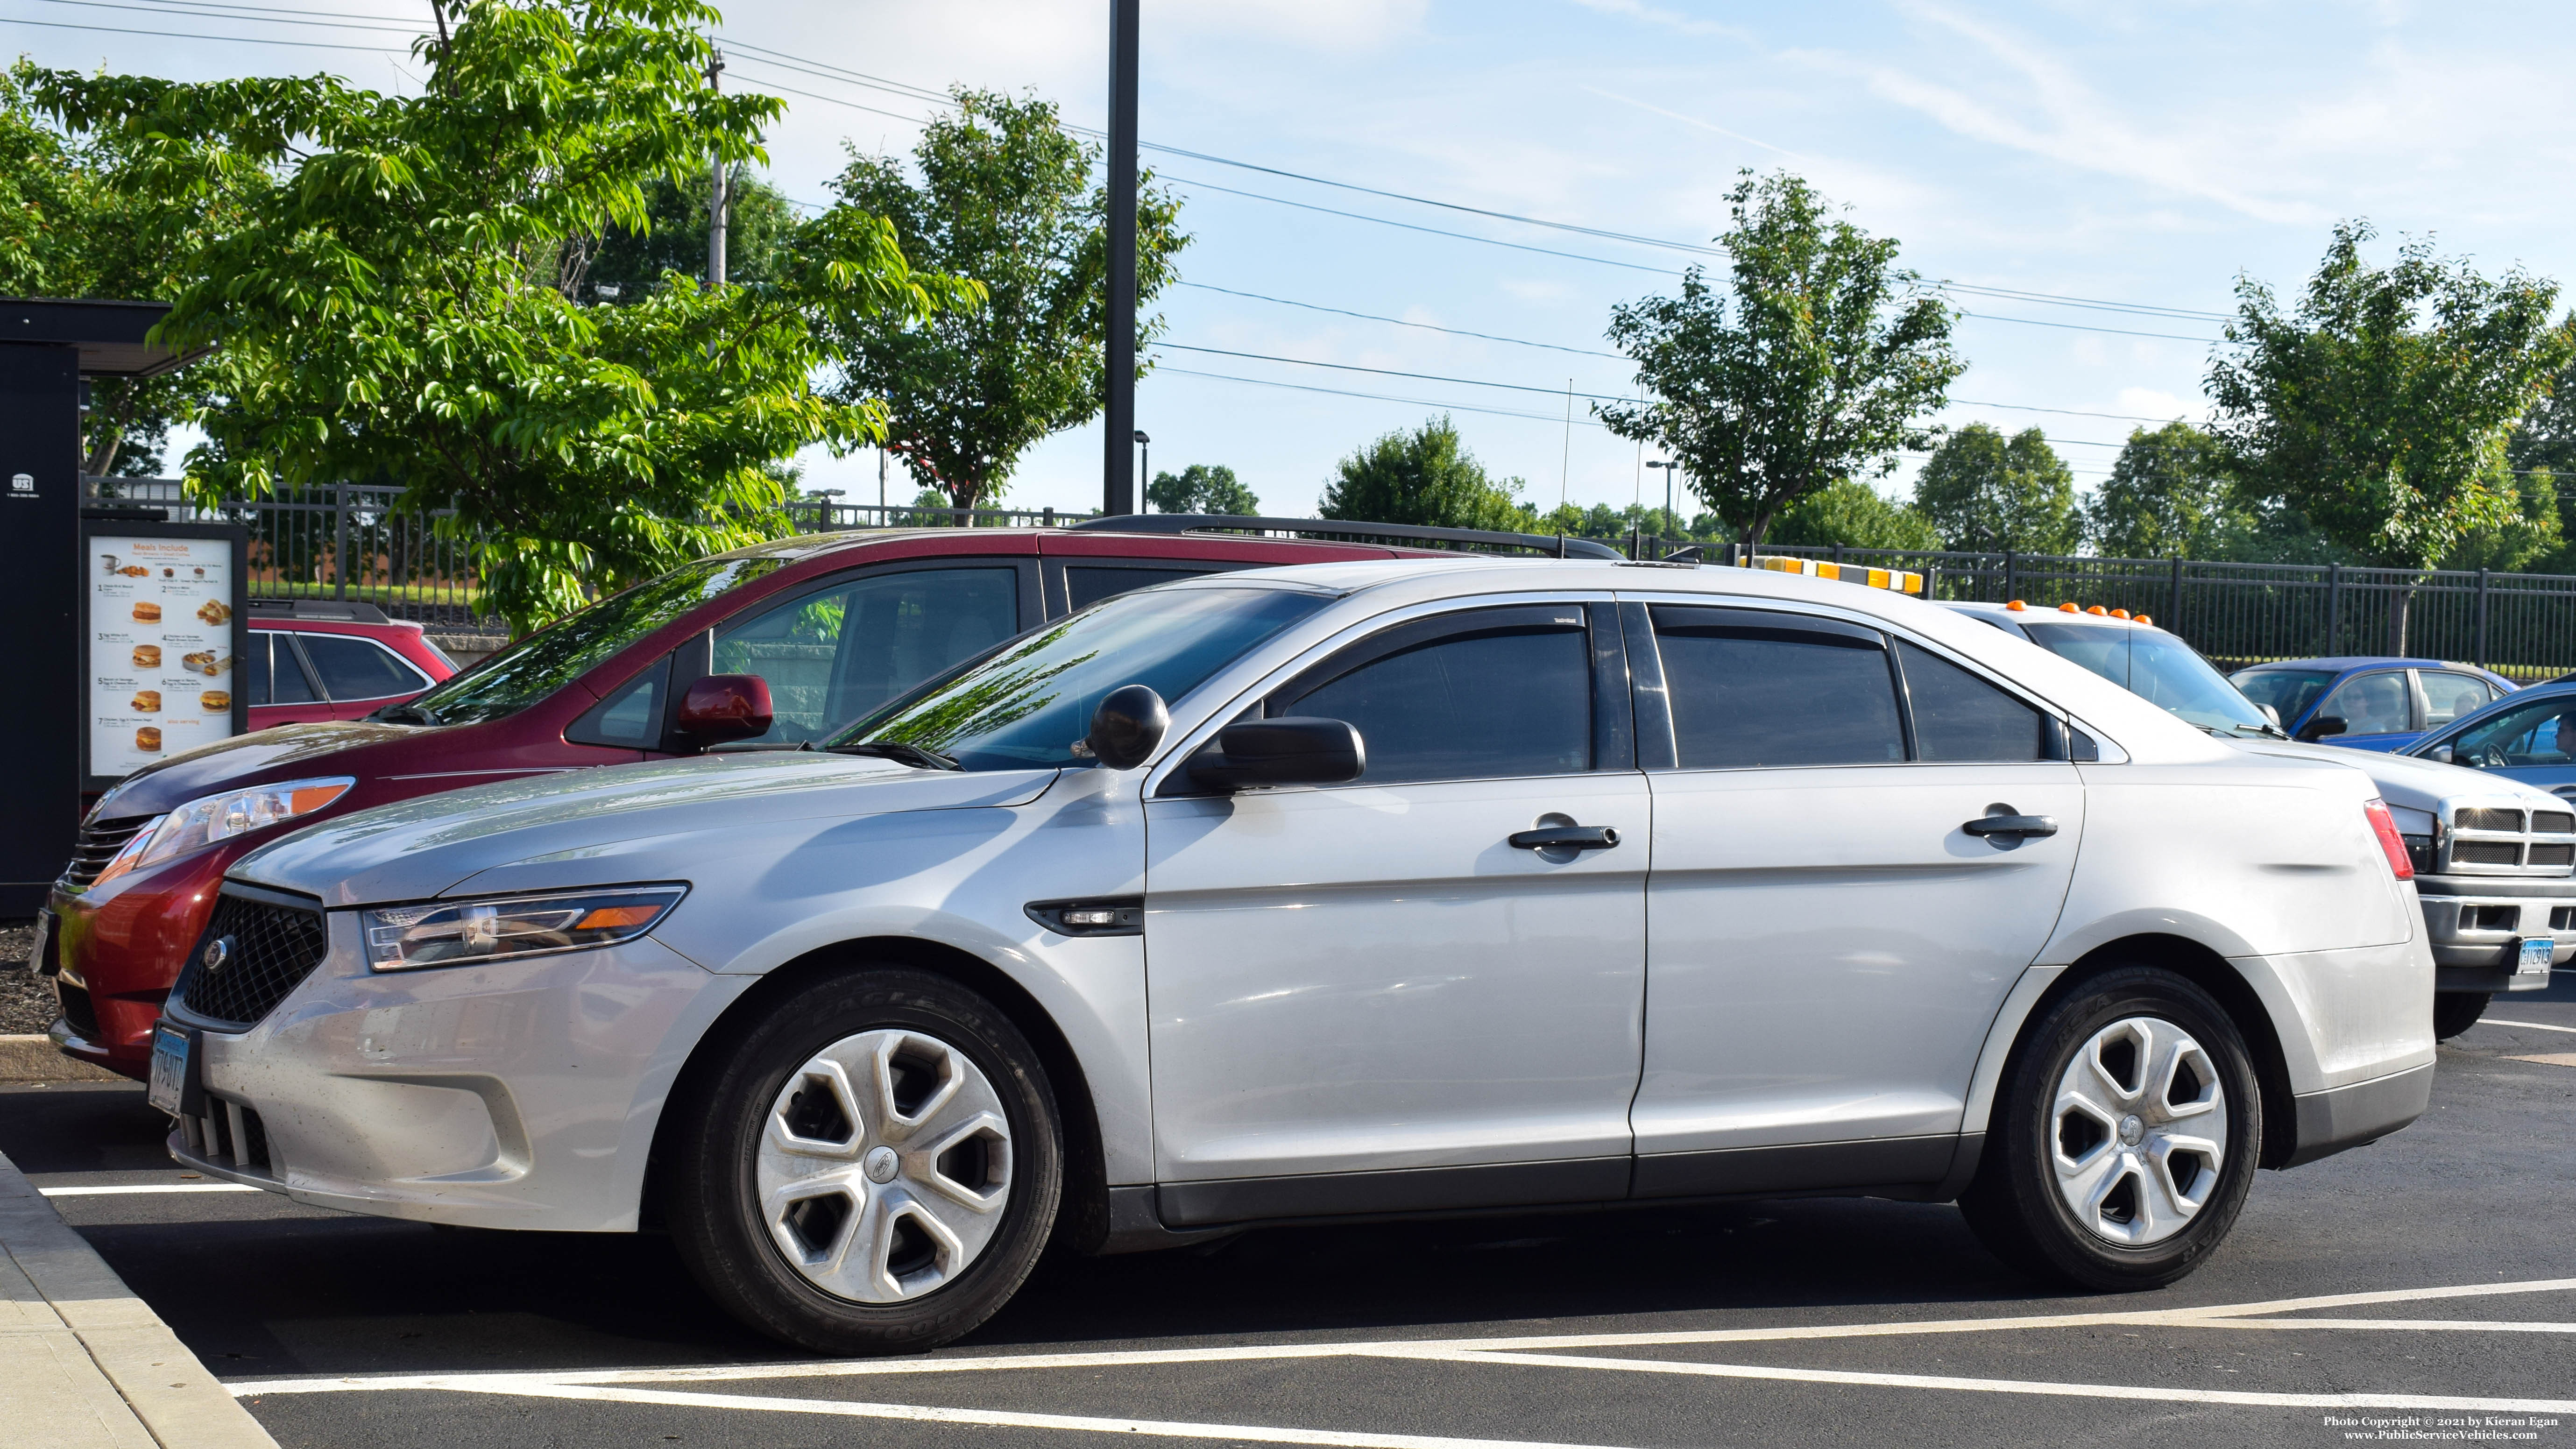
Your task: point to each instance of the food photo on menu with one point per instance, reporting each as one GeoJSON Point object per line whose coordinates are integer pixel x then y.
{"type": "Point", "coordinates": [161, 648]}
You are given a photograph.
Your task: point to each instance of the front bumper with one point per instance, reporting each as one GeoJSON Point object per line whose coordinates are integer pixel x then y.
{"type": "Point", "coordinates": [2477, 924]}
{"type": "Point", "coordinates": [121, 945]}
{"type": "Point", "coordinates": [511, 1095]}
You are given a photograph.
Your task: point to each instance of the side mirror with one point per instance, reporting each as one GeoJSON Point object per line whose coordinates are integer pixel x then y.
{"type": "Point", "coordinates": [724, 707]}
{"type": "Point", "coordinates": [1129, 723]}
{"type": "Point", "coordinates": [2441, 753]}
{"type": "Point", "coordinates": [2322, 726]}
{"type": "Point", "coordinates": [1291, 751]}
{"type": "Point", "coordinates": [2274, 716]}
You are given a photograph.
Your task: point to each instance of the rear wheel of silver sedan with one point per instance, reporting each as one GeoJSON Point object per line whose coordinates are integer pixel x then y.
{"type": "Point", "coordinates": [2124, 1138]}
{"type": "Point", "coordinates": [872, 1166]}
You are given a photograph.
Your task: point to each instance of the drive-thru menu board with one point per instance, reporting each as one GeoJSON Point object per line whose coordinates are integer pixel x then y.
{"type": "Point", "coordinates": [163, 625]}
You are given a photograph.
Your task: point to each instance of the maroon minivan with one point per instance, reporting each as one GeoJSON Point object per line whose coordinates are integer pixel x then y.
{"type": "Point", "coordinates": [833, 625]}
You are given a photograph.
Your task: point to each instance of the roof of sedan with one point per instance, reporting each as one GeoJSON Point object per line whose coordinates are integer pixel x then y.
{"type": "Point", "coordinates": [2356, 661]}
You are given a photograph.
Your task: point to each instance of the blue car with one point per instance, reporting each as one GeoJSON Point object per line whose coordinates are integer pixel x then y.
{"type": "Point", "coordinates": [2369, 703]}
{"type": "Point", "coordinates": [2529, 736]}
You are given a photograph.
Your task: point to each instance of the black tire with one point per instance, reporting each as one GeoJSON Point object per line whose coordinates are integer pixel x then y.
{"type": "Point", "coordinates": [711, 1197]}
{"type": "Point", "coordinates": [2456, 1011]}
{"type": "Point", "coordinates": [2015, 1206]}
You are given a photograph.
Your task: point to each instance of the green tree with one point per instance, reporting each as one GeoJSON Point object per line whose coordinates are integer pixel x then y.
{"type": "Point", "coordinates": [396, 300]}
{"type": "Point", "coordinates": [1005, 196]}
{"type": "Point", "coordinates": [627, 263]}
{"type": "Point", "coordinates": [2168, 496]}
{"type": "Point", "coordinates": [2532, 537]}
{"type": "Point", "coordinates": [1426, 476]}
{"type": "Point", "coordinates": [1986, 494]}
{"type": "Point", "coordinates": [1201, 488]}
{"type": "Point", "coordinates": [67, 229]}
{"type": "Point", "coordinates": [1855, 515]}
{"type": "Point", "coordinates": [2381, 407]}
{"type": "Point", "coordinates": [1816, 370]}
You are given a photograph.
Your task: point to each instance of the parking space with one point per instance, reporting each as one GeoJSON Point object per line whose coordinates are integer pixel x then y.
{"type": "Point", "coordinates": [2430, 1278]}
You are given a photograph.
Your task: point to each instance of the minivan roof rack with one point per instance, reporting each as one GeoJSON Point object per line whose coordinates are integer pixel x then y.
{"type": "Point", "coordinates": [1554, 545]}
{"type": "Point", "coordinates": [341, 611]}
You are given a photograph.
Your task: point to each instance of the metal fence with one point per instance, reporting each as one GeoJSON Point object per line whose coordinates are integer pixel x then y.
{"type": "Point", "coordinates": [351, 542]}
{"type": "Point", "coordinates": [2522, 626]}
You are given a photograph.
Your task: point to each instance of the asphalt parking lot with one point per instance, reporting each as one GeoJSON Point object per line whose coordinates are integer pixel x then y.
{"type": "Point", "coordinates": [2423, 1289]}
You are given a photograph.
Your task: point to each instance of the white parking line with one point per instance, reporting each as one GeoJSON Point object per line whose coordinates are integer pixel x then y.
{"type": "Point", "coordinates": [2527, 1025]}
{"type": "Point", "coordinates": [626, 1385]}
{"type": "Point", "coordinates": [124, 1188]}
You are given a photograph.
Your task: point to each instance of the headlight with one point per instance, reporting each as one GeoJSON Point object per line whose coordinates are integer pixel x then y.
{"type": "Point", "coordinates": [201, 823]}
{"type": "Point", "coordinates": [460, 933]}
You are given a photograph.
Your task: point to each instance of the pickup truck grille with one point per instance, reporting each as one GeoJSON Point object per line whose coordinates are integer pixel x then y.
{"type": "Point", "coordinates": [98, 843]}
{"type": "Point", "coordinates": [269, 948]}
{"type": "Point", "coordinates": [2500, 840]}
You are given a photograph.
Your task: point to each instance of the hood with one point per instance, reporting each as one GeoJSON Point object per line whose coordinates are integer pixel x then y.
{"type": "Point", "coordinates": [2416, 789]}
{"type": "Point", "coordinates": [597, 826]}
{"type": "Point", "coordinates": [280, 752]}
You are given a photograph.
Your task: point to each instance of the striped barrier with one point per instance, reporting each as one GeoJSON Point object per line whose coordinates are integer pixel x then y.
{"type": "Point", "coordinates": [1897, 579]}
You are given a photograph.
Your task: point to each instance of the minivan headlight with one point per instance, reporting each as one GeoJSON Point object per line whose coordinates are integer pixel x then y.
{"type": "Point", "coordinates": [214, 818]}
{"type": "Point", "coordinates": [462, 933]}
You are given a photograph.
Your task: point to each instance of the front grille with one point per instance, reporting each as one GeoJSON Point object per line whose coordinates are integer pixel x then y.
{"type": "Point", "coordinates": [2541, 854]}
{"type": "Point", "coordinates": [98, 844]}
{"type": "Point", "coordinates": [2486, 852]}
{"type": "Point", "coordinates": [269, 948]}
{"type": "Point", "coordinates": [2509, 821]}
{"type": "Point", "coordinates": [78, 1009]}
{"type": "Point", "coordinates": [230, 1134]}
{"type": "Point", "coordinates": [2562, 918]}
{"type": "Point", "coordinates": [2549, 821]}
{"type": "Point", "coordinates": [2505, 840]}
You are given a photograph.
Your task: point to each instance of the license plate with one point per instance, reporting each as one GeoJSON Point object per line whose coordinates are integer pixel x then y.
{"type": "Point", "coordinates": [168, 1089]}
{"type": "Point", "coordinates": [2535, 955]}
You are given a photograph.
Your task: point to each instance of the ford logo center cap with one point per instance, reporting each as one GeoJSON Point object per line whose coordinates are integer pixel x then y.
{"type": "Point", "coordinates": [215, 952]}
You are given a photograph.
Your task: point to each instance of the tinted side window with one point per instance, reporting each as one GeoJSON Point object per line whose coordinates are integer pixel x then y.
{"type": "Point", "coordinates": [2373, 704]}
{"type": "Point", "coordinates": [1958, 716]}
{"type": "Point", "coordinates": [1748, 691]}
{"type": "Point", "coordinates": [1085, 585]}
{"type": "Point", "coordinates": [833, 656]}
{"type": "Point", "coordinates": [359, 668]}
{"type": "Point", "coordinates": [1468, 706]}
{"type": "Point", "coordinates": [2448, 696]}
{"type": "Point", "coordinates": [254, 667]}
{"type": "Point", "coordinates": [287, 684]}
{"type": "Point", "coordinates": [631, 716]}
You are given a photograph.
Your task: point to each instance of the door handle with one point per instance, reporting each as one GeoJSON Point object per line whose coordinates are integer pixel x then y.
{"type": "Point", "coordinates": [1570, 837]}
{"type": "Point", "coordinates": [2014, 826]}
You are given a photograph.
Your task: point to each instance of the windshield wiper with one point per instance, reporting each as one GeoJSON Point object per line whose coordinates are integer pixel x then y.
{"type": "Point", "coordinates": [405, 714]}
{"type": "Point", "coordinates": [913, 755]}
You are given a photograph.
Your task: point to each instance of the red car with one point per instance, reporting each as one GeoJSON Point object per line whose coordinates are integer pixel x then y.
{"type": "Point", "coordinates": [312, 659]}
{"type": "Point", "coordinates": [833, 624]}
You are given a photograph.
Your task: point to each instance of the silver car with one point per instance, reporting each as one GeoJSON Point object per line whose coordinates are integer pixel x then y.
{"type": "Point", "coordinates": [1342, 890]}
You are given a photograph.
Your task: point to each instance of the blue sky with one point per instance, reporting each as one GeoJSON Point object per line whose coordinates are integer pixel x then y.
{"type": "Point", "coordinates": [2129, 153]}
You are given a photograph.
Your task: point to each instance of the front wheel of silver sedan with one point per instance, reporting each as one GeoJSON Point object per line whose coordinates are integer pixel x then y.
{"type": "Point", "coordinates": [2124, 1137]}
{"type": "Point", "coordinates": [871, 1165]}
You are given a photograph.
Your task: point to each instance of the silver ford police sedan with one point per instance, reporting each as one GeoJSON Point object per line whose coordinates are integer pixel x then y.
{"type": "Point", "coordinates": [1417, 887]}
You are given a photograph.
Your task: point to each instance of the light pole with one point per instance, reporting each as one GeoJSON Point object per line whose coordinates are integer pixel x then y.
{"type": "Point", "coordinates": [1144, 472]}
{"type": "Point", "coordinates": [1671, 470]}
{"type": "Point", "coordinates": [1118, 487]}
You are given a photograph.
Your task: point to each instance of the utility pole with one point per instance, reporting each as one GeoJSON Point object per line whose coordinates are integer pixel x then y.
{"type": "Point", "coordinates": [1144, 469]}
{"type": "Point", "coordinates": [718, 202]}
{"type": "Point", "coordinates": [1118, 482]}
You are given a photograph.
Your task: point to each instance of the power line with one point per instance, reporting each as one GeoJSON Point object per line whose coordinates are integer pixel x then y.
{"type": "Point", "coordinates": [2082, 327]}
{"type": "Point", "coordinates": [1400, 322]}
{"type": "Point", "coordinates": [188, 35]}
{"type": "Point", "coordinates": [258, 15]}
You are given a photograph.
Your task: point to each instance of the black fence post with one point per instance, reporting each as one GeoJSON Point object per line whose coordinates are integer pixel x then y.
{"type": "Point", "coordinates": [340, 541]}
{"type": "Point", "coordinates": [2173, 609]}
{"type": "Point", "coordinates": [2334, 608]}
{"type": "Point", "coordinates": [2012, 577]}
{"type": "Point", "coordinates": [2482, 619]}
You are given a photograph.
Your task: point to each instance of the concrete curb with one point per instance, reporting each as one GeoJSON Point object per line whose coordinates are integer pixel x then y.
{"type": "Point", "coordinates": [84, 1364]}
{"type": "Point", "coordinates": [37, 1059]}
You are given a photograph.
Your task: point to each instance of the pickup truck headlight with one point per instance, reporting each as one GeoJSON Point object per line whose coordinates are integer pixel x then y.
{"type": "Point", "coordinates": [464, 933]}
{"type": "Point", "coordinates": [215, 818]}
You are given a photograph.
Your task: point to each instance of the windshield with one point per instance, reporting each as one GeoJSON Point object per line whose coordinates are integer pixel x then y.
{"type": "Point", "coordinates": [1026, 704]}
{"type": "Point", "coordinates": [2168, 672]}
{"type": "Point", "coordinates": [2288, 691]}
{"type": "Point", "coordinates": [2541, 733]}
{"type": "Point", "coordinates": [555, 656]}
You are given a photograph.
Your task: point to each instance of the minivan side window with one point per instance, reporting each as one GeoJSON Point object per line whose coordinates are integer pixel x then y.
{"type": "Point", "coordinates": [1752, 690]}
{"type": "Point", "coordinates": [1959, 717]}
{"type": "Point", "coordinates": [833, 655]}
{"type": "Point", "coordinates": [1500, 697]}
{"type": "Point", "coordinates": [353, 668]}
